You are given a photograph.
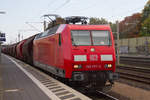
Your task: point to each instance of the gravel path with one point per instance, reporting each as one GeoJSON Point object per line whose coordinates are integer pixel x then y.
{"type": "Point", "coordinates": [130, 92]}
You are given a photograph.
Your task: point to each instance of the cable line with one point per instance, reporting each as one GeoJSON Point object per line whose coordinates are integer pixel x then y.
{"type": "Point", "coordinates": [62, 5]}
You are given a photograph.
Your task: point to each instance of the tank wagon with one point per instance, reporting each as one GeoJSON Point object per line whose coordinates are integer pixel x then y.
{"type": "Point", "coordinates": [82, 54]}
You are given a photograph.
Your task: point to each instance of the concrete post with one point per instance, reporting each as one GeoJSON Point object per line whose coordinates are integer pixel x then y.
{"type": "Point", "coordinates": [118, 44]}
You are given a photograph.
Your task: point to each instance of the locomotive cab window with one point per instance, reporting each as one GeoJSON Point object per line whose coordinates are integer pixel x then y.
{"type": "Point", "coordinates": [81, 38]}
{"type": "Point", "coordinates": [101, 37]}
{"type": "Point", "coordinates": [87, 38]}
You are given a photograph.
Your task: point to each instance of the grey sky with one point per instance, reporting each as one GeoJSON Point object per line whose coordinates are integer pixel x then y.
{"type": "Point", "coordinates": [20, 11]}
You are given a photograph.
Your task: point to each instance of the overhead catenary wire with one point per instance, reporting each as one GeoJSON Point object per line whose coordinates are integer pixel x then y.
{"type": "Point", "coordinates": [62, 5]}
{"type": "Point", "coordinates": [32, 26]}
{"type": "Point", "coordinates": [86, 8]}
{"type": "Point", "coordinates": [48, 5]}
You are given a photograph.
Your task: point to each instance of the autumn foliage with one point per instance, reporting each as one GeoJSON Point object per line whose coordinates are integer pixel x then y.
{"type": "Point", "coordinates": [136, 25]}
{"type": "Point", "coordinates": [129, 27]}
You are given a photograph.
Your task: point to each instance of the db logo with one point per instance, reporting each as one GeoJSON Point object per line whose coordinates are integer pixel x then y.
{"type": "Point", "coordinates": [93, 58]}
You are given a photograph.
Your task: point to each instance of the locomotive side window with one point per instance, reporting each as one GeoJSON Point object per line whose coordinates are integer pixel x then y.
{"type": "Point", "coordinates": [38, 36]}
{"type": "Point", "coordinates": [59, 39]}
{"type": "Point", "coordinates": [81, 38]}
{"type": "Point", "coordinates": [101, 38]}
{"type": "Point", "coordinates": [49, 31]}
{"type": "Point", "coordinates": [52, 30]}
{"type": "Point", "coordinates": [45, 33]}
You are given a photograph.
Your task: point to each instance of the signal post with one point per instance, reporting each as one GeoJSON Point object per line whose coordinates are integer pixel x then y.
{"type": "Point", "coordinates": [118, 45]}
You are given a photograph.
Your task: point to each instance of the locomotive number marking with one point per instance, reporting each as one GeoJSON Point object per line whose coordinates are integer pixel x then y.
{"type": "Point", "coordinates": [93, 66]}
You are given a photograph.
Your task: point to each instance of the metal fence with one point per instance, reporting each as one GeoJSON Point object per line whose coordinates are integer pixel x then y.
{"type": "Point", "coordinates": [139, 45]}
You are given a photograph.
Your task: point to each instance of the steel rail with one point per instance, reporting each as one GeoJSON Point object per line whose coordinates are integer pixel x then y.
{"type": "Point", "coordinates": [138, 61]}
{"type": "Point", "coordinates": [134, 68]}
{"type": "Point", "coordinates": [134, 73]}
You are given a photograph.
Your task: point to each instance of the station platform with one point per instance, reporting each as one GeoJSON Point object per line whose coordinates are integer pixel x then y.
{"type": "Point", "coordinates": [15, 85]}
{"type": "Point", "coordinates": [19, 81]}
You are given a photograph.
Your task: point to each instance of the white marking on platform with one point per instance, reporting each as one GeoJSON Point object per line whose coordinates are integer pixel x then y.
{"type": "Point", "coordinates": [12, 90]}
{"type": "Point", "coordinates": [108, 95]}
{"type": "Point", "coordinates": [50, 94]}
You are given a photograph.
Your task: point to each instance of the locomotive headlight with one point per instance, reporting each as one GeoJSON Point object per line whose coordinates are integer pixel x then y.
{"type": "Point", "coordinates": [108, 65]}
{"type": "Point", "coordinates": [77, 66]}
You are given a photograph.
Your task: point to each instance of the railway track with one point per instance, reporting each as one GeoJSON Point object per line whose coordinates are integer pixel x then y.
{"type": "Point", "coordinates": [105, 96]}
{"type": "Point", "coordinates": [96, 94]}
{"type": "Point", "coordinates": [134, 73]}
{"type": "Point", "coordinates": [137, 61]}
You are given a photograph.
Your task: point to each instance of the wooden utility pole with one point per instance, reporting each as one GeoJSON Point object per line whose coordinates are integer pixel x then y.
{"type": "Point", "coordinates": [118, 44]}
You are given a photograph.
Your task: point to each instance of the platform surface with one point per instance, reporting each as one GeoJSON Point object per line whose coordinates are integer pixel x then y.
{"type": "Point", "coordinates": [20, 81]}
{"type": "Point", "coordinates": [15, 85]}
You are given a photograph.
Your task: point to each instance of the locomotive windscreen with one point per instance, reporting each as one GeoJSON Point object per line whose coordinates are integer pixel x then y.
{"type": "Point", "coordinates": [87, 38]}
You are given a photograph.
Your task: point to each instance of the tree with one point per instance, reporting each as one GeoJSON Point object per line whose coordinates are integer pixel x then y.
{"type": "Point", "coordinates": [129, 27]}
{"type": "Point", "coordinates": [114, 29]}
{"type": "Point", "coordinates": [97, 21]}
{"type": "Point", "coordinates": [144, 24]}
{"type": "Point", "coordinates": [145, 30]}
{"type": "Point", "coordinates": [146, 11]}
{"type": "Point", "coordinates": [113, 26]}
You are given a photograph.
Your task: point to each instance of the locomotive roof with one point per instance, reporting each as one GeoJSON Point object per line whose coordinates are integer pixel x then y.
{"type": "Point", "coordinates": [82, 27]}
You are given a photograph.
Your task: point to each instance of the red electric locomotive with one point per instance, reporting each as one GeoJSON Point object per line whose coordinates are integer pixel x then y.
{"type": "Point", "coordinates": [79, 53]}
{"type": "Point", "coordinates": [75, 53]}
